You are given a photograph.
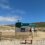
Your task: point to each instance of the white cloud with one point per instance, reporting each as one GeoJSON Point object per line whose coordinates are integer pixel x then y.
{"type": "Point", "coordinates": [4, 4]}
{"type": "Point", "coordinates": [5, 1]}
{"type": "Point", "coordinates": [20, 11]}
{"type": "Point", "coordinates": [11, 19]}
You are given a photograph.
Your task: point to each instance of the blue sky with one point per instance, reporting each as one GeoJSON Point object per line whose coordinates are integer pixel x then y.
{"type": "Point", "coordinates": [28, 11]}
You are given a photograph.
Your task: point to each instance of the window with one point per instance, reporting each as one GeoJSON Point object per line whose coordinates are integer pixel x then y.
{"type": "Point", "coordinates": [22, 29]}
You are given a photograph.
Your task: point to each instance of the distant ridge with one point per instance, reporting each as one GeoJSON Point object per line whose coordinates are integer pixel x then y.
{"type": "Point", "coordinates": [11, 25]}
{"type": "Point", "coordinates": [40, 24]}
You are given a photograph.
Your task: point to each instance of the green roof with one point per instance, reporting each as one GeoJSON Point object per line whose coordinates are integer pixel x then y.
{"type": "Point", "coordinates": [25, 24]}
{"type": "Point", "coordinates": [19, 24]}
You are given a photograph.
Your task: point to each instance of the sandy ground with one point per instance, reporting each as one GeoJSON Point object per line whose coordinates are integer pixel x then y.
{"type": "Point", "coordinates": [39, 40]}
{"type": "Point", "coordinates": [17, 42]}
{"type": "Point", "coordinates": [13, 42]}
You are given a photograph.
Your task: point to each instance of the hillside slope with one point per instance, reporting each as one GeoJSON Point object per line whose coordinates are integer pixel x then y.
{"type": "Point", "coordinates": [39, 24]}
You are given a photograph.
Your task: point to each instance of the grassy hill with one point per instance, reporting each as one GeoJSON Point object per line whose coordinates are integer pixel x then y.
{"type": "Point", "coordinates": [39, 24]}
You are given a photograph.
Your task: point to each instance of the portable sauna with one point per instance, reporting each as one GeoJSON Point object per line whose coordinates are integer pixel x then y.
{"type": "Point", "coordinates": [22, 30]}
